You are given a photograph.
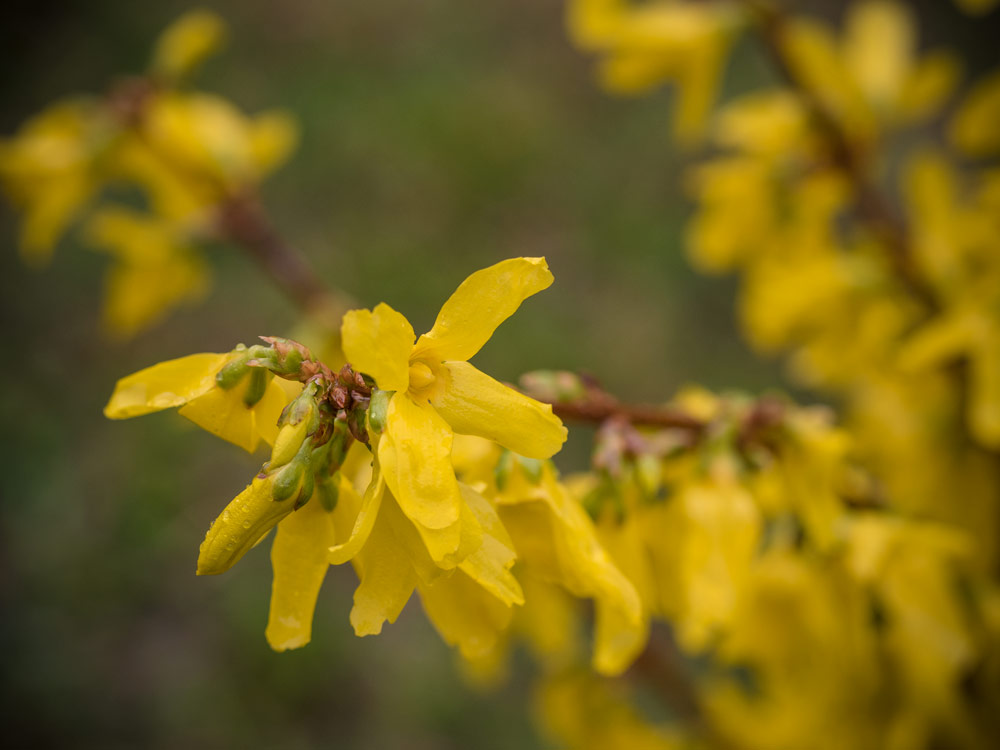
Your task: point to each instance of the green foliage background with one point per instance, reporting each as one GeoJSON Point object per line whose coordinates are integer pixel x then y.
{"type": "Point", "coordinates": [438, 137]}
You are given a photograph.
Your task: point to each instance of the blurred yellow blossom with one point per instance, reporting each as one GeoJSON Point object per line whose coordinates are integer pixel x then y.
{"type": "Point", "coordinates": [647, 44]}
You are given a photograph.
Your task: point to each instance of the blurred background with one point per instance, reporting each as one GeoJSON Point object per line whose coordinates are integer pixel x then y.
{"type": "Point", "coordinates": [438, 137]}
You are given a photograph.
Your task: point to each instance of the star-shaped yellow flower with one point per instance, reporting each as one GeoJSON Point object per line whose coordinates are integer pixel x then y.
{"type": "Point", "coordinates": [438, 393]}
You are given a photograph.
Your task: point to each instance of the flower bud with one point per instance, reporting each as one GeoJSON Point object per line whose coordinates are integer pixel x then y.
{"type": "Point", "coordinates": [256, 386]}
{"type": "Point", "coordinates": [240, 526]}
{"type": "Point", "coordinates": [377, 409]}
{"type": "Point", "coordinates": [328, 491]}
{"type": "Point", "coordinates": [289, 441]}
{"type": "Point", "coordinates": [233, 371]}
{"type": "Point", "coordinates": [306, 489]}
{"type": "Point", "coordinates": [288, 482]}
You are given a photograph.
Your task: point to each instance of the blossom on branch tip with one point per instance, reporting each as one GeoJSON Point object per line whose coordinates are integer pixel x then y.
{"type": "Point", "coordinates": [436, 393]}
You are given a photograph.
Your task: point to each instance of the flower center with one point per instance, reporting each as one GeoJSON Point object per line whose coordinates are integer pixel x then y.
{"type": "Point", "coordinates": [420, 376]}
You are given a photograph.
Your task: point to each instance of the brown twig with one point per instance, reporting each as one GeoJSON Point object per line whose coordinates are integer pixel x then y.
{"type": "Point", "coordinates": [872, 206]}
{"type": "Point", "coordinates": [242, 220]}
{"type": "Point", "coordinates": [596, 411]}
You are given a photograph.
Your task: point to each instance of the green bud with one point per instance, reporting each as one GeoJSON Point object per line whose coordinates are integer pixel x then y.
{"type": "Point", "coordinates": [338, 446]}
{"type": "Point", "coordinates": [257, 386]}
{"type": "Point", "coordinates": [306, 490]}
{"type": "Point", "coordinates": [328, 491]}
{"type": "Point", "coordinates": [289, 441]}
{"type": "Point", "coordinates": [289, 481]}
{"type": "Point", "coordinates": [292, 361]}
{"type": "Point", "coordinates": [302, 407]}
{"type": "Point", "coordinates": [503, 468]}
{"type": "Point", "coordinates": [532, 468]}
{"type": "Point", "coordinates": [233, 371]}
{"type": "Point", "coordinates": [377, 409]}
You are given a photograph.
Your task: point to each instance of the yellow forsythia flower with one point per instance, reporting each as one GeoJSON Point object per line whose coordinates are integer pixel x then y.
{"type": "Point", "coordinates": [436, 393]}
{"type": "Point", "coordinates": [557, 546]}
{"type": "Point", "coordinates": [49, 170]}
{"type": "Point", "coordinates": [647, 44]}
{"type": "Point", "coordinates": [873, 76]}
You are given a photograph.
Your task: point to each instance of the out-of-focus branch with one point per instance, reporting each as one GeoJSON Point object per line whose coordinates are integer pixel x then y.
{"type": "Point", "coordinates": [242, 220]}
{"type": "Point", "coordinates": [605, 407]}
{"type": "Point", "coordinates": [871, 204]}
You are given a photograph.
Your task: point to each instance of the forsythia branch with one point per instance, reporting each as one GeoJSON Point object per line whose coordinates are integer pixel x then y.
{"type": "Point", "coordinates": [243, 221]}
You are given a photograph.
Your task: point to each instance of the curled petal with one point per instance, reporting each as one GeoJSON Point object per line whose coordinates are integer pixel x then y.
{"type": "Point", "coordinates": [299, 560]}
{"type": "Point", "coordinates": [378, 343]}
{"type": "Point", "coordinates": [473, 403]}
{"type": "Point", "coordinates": [464, 614]}
{"type": "Point", "coordinates": [490, 564]}
{"type": "Point", "coordinates": [387, 575]}
{"type": "Point", "coordinates": [164, 385]}
{"type": "Point", "coordinates": [365, 521]}
{"type": "Point", "coordinates": [480, 304]}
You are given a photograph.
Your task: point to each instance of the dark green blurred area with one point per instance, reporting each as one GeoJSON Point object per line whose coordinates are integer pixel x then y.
{"type": "Point", "coordinates": [438, 138]}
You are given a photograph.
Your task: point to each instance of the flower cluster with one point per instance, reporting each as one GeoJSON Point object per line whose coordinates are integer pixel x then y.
{"type": "Point", "coordinates": [838, 607]}
{"type": "Point", "coordinates": [187, 152]}
{"type": "Point", "coordinates": [361, 465]}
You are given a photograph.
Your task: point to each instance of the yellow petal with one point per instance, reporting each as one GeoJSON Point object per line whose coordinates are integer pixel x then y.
{"type": "Point", "coordinates": [446, 546]}
{"type": "Point", "coordinates": [557, 541]}
{"type": "Point", "coordinates": [878, 48]}
{"type": "Point", "coordinates": [464, 614]}
{"type": "Point", "coordinates": [473, 403]}
{"type": "Point", "coordinates": [480, 304]}
{"type": "Point", "coordinates": [489, 566]}
{"type": "Point", "coordinates": [984, 401]}
{"type": "Point", "coordinates": [938, 341]}
{"type": "Point", "coordinates": [224, 413]}
{"type": "Point", "coordinates": [930, 83]}
{"type": "Point", "coordinates": [277, 395]}
{"type": "Point", "coordinates": [185, 44]}
{"type": "Point", "coordinates": [299, 561]}
{"type": "Point", "coordinates": [378, 343]}
{"type": "Point", "coordinates": [816, 61]}
{"type": "Point", "coordinates": [273, 136]}
{"type": "Point", "coordinates": [139, 296]}
{"type": "Point", "coordinates": [618, 637]}
{"type": "Point", "coordinates": [974, 127]}
{"type": "Point", "coordinates": [48, 216]}
{"type": "Point", "coordinates": [244, 521]}
{"type": "Point", "coordinates": [164, 385]}
{"type": "Point", "coordinates": [387, 579]}
{"type": "Point", "coordinates": [449, 546]}
{"type": "Point", "coordinates": [364, 522]}
{"type": "Point", "coordinates": [416, 459]}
